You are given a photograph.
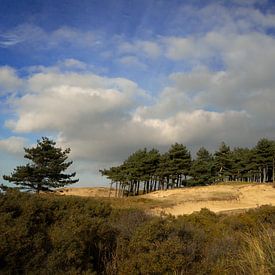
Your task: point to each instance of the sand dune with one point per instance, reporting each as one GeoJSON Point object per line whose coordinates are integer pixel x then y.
{"type": "Point", "coordinates": [85, 192]}
{"type": "Point", "coordinates": [217, 198]}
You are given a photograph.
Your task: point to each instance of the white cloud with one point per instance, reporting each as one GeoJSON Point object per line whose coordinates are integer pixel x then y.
{"type": "Point", "coordinates": [74, 37]}
{"type": "Point", "coordinates": [239, 17]}
{"type": "Point", "coordinates": [226, 94]}
{"type": "Point", "coordinates": [42, 81]}
{"type": "Point", "coordinates": [73, 64]}
{"type": "Point", "coordinates": [37, 38]}
{"type": "Point", "coordinates": [25, 33]}
{"type": "Point", "coordinates": [150, 49]}
{"type": "Point", "coordinates": [180, 48]}
{"type": "Point", "coordinates": [101, 118]}
{"type": "Point", "coordinates": [7, 40]}
{"type": "Point", "coordinates": [132, 61]}
{"type": "Point", "coordinates": [198, 127]}
{"type": "Point", "coordinates": [13, 144]}
{"type": "Point", "coordinates": [91, 112]}
{"type": "Point", "coordinates": [55, 108]}
{"type": "Point", "coordinates": [9, 81]}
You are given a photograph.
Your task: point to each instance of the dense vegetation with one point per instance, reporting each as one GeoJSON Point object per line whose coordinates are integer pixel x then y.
{"type": "Point", "coordinates": [145, 171]}
{"type": "Point", "coordinates": [45, 234]}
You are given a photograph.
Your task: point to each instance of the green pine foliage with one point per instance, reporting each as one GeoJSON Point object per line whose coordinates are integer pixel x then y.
{"type": "Point", "coordinates": [45, 170]}
{"type": "Point", "coordinates": [146, 171]}
{"type": "Point", "coordinates": [203, 168]}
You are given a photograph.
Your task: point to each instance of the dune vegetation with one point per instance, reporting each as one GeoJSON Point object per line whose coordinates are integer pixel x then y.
{"type": "Point", "coordinates": [169, 231]}
{"type": "Point", "coordinates": [50, 234]}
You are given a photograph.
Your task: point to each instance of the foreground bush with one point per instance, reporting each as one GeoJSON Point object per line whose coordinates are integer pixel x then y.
{"type": "Point", "coordinates": [71, 235]}
{"type": "Point", "coordinates": [56, 235]}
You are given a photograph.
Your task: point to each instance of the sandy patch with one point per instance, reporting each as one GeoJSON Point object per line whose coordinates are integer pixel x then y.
{"type": "Point", "coordinates": [217, 198]}
{"type": "Point", "coordinates": [85, 192]}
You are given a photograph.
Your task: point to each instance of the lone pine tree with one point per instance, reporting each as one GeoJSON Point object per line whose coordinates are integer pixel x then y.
{"type": "Point", "coordinates": [45, 170]}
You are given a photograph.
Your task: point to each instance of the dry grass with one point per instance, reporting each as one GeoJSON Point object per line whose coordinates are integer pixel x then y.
{"type": "Point", "coordinates": [137, 202]}
{"type": "Point", "coordinates": [257, 254]}
{"type": "Point", "coordinates": [218, 198]}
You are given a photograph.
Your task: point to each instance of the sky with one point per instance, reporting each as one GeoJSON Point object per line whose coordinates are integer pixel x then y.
{"type": "Point", "coordinates": [108, 77]}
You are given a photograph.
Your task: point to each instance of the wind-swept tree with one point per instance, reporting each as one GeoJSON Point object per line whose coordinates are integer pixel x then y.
{"type": "Point", "coordinates": [46, 169]}
{"type": "Point", "coordinates": [116, 175]}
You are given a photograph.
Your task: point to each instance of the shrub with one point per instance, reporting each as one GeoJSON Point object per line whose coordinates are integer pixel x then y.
{"type": "Point", "coordinates": [70, 235]}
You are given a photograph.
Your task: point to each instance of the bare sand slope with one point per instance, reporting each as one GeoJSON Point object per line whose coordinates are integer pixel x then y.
{"type": "Point", "coordinates": [217, 198]}
{"type": "Point", "coordinates": [85, 192]}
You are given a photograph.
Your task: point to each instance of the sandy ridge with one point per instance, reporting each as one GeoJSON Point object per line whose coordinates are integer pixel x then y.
{"type": "Point", "coordinates": [217, 198]}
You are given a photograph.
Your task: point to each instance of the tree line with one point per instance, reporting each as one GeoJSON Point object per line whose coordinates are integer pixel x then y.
{"type": "Point", "coordinates": [145, 170]}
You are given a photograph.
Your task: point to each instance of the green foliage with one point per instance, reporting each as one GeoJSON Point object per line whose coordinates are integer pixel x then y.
{"type": "Point", "coordinates": [69, 235]}
{"type": "Point", "coordinates": [175, 168]}
{"type": "Point", "coordinates": [202, 170]}
{"type": "Point", "coordinates": [53, 234]}
{"type": "Point", "coordinates": [45, 170]}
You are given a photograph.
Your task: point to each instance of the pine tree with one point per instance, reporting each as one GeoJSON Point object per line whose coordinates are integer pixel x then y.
{"type": "Point", "coordinates": [163, 171]}
{"type": "Point", "coordinates": [45, 170]}
{"type": "Point", "coordinates": [264, 158]}
{"type": "Point", "coordinates": [202, 169]}
{"type": "Point", "coordinates": [179, 164]}
{"type": "Point", "coordinates": [223, 162]}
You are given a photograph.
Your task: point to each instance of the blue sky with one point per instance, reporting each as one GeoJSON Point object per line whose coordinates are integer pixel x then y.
{"type": "Point", "coordinates": [108, 77]}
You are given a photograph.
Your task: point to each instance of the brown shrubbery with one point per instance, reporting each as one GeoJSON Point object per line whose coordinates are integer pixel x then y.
{"type": "Point", "coordinates": [70, 235]}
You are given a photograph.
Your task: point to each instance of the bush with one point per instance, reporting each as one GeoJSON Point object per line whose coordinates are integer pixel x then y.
{"type": "Point", "coordinates": [54, 234]}
{"type": "Point", "coordinates": [70, 235]}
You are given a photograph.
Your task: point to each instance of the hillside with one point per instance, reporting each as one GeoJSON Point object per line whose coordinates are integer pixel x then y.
{"type": "Point", "coordinates": [217, 198]}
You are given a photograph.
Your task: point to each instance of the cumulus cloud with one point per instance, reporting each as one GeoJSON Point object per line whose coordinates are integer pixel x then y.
{"type": "Point", "coordinates": [13, 144]}
{"type": "Point", "coordinates": [9, 81]}
{"type": "Point", "coordinates": [101, 117]}
{"type": "Point", "coordinates": [180, 48]}
{"type": "Point", "coordinates": [56, 107]}
{"type": "Point", "coordinates": [226, 93]}
{"type": "Point", "coordinates": [198, 127]}
{"type": "Point", "coordinates": [87, 110]}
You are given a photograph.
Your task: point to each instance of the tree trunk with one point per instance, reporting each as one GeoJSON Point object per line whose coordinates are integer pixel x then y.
{"type": "Point", "coordinates": [144, 188]}
{"type": "Point", "coordinates": [111, 184]}
{"type": "Point", "coordinates": [273, 168]}
{"type": "Point", "coordinates": [116, 190]}
{"type": "Point", "coordinates": [260, 175]}
{"type": "Point", "coordinates": [264, 174]}
{"type": "Point", "coordinates": [137, 191]}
